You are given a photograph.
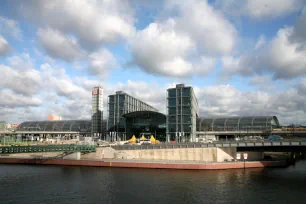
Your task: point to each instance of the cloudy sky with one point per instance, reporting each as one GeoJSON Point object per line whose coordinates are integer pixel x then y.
{"type": "Point", "coordinates": [243, 57]}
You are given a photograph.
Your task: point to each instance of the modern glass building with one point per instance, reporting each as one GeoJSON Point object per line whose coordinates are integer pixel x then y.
{"type": "Point", "coordinates": [182, 108]}
{"type": "Point", "coordinates": [146, 123]}
{"type": "Point", "coordinates": [249, 123]}
{"type": "Point", "coordinates": [97, 112]}
{"type": "Point", "coordinates": [122, 103]}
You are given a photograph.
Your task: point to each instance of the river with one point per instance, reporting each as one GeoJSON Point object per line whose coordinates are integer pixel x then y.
{"type": "Point", "coordinates": [66, 184]}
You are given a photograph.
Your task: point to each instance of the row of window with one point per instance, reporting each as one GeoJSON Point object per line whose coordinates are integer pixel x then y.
{"type": "Point", "coordinates": [180, 110]}
{"type": "Point", "coordinates": [185, 92]}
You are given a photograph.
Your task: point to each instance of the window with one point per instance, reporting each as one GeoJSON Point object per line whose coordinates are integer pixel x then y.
{"type": "Point", "coordinates": [172, 111]}
{"type": "Point", "coordinates": [186, 119]}
{"type": "Point", "coordinates": [172, 93]}
{"type": "Point", "coordinates": [172, 119]}
{"type": "Point", "coordinates": [186, 101]}
{"type": "Point", "coordinates": [186, 92]}
{"type": "Point", "coordinates": [186, 110]}
{"type": "Point", "coordinates": [172, 102]}
{"type": "Point", "coordinates": [187, 128]}
{"type": "Point", "coordinates": [172, 127]}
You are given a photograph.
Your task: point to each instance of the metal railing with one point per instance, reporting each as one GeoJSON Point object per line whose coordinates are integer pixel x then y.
{"type": "Point", "coordinates": [46, 148]}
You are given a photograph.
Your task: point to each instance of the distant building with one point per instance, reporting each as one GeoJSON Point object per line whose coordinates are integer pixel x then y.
{"type": "Point", "coordinates": [97, 112]}
{"type": "Point", "coordinates": [54, 117]}
{"type": "Point", "coordinates": [10, 126]}
{"type": "Point", "coordinates": [2, 125]}
{"type": "Point", "coordinates": [182, 108]}
{"type": "Point", "coordinates": [122, 103]}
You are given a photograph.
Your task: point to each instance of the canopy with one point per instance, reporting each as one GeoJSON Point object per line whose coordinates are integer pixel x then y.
{"type": "Point", "coordinates": [133, 139]}
{"type": "Point", "coordinates": [143, 138]}
{"type": "Point", "coordinates": [152, 139]}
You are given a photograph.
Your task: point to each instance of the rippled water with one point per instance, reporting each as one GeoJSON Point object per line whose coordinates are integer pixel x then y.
{"type": "Point", "coordinates": [64, 184]}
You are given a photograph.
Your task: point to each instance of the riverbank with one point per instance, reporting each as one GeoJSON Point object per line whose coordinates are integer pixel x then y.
{"type": "Point", "coordinates": [147, 164]}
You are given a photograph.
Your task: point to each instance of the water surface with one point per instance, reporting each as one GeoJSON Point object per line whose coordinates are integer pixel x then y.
{"type": "Point", "coordinates": [64, 184]}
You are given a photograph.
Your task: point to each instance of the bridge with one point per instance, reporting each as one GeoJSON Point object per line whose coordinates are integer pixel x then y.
{"type": "Point", "coordinates": [251, 132]}
{"type": "Point", "coordinates": [46, 148]}
{"type": "Point", "coordinates": [296, 145]}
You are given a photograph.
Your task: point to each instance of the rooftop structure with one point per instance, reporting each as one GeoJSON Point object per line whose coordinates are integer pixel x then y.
{"type": "Point", "coordinates": [56, 126]}
{"type": "Point", "coordinates": [245, 123]}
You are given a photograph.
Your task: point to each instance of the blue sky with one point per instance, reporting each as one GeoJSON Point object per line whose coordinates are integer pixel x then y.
{"type": "Point", "coordinates": [242, 57]}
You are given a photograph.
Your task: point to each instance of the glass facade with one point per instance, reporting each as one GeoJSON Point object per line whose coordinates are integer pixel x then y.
{"type": "Point", "coordinates": [119, 104]}
{"type": "Point", "coordinates": [146, 123]}
{"type": "Point", "coordinates": [262, 123]}
{"type": "Point", "coordinates": [182, 108]}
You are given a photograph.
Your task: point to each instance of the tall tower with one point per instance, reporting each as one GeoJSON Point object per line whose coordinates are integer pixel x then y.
{"type": "Point", "coordinates": [182, 111]}
{"type": "Point", "coordinates": [97, 112]}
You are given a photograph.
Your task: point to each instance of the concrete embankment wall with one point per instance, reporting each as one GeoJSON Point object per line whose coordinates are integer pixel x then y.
{"type": "Point", "coordinates": [176, 154]}
{"type": "Point", "coordinates": [185, 154]}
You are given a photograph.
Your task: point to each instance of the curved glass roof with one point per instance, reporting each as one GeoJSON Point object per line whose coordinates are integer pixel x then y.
{"type": "Point", "coordinates": [237, 123]}
{"type": "Point", "coordinates": [56, 126]}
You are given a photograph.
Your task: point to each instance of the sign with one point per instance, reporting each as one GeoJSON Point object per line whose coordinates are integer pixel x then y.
{"type": "Point", "coordinates": [101, 92]}
{"type": "Point", "coordinates": [95, 92]}
{"type": "Point", "coordinates": [245, 155]}
{"type": "Point", "coordinates": [238, 156]}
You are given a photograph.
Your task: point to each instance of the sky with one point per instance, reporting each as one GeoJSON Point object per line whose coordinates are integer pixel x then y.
{"type": "Point", "coordinates": [243, 57]}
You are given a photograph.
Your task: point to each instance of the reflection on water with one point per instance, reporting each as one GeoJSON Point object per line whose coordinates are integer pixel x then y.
{"type": "Point", "coordinates": [63, 184]}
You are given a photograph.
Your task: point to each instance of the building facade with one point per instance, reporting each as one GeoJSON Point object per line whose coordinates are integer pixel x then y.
{"type": "Point", "coordinates": [182, 108]}
{"type": "Point", "coordinates": [146, 123]}
{"type": "Point", "coordinates": [97, 112]}
{"type": "Point", "coordinates": [119, 104]}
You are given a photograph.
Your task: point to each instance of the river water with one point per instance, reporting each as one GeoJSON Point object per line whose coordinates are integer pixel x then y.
{"type": "Point", "coordinates": [65, 184]}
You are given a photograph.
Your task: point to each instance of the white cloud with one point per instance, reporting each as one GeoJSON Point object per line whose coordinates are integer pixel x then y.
{"type": "Point", "coordinates": [158, 49]}
{"type": "Point", "coordinates": [61, 83]}
{"type": "Point", "coordinates": [21, 62]}
{"type": "Point", "coordinates": [168, 47]}
{"type": "Point", "coordinates": [211, 31]}
{"type": "Point", "coordinates": [299, 33]}
{"type": "Point", "coordinates": [92, 21]}
{"type": "Point", "coordinates": [59, 45]}
{"type": "Point", "coordinates": [4, 46]}
{"type": "Point", "coordinates": [11, 99]}
{"type": "Point", "coordinates": [227, 100]}
{"type": "Point", "coordinates": [101, 62]}
{"type": "Point", "coordinates": [284, 58]}
{"type": "Point", "coordinates": [10, 27]}
{"type": "Point", "coordinates": [26, 82]}
{"type": "Point", "coordinates": [281, 57]}
{"type": "Point", "coordinates": [260, 9]}
{"type": "Point", "coordinates": [205, 65]}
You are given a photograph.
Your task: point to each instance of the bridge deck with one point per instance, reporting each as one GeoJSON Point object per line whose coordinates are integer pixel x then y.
{"type": "Point", "coordinates": [237, 144]}
{"type": "Point", "coordinates": [46, 148]}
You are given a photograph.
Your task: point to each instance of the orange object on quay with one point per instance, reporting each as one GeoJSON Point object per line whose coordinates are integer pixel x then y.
{"type": "Point", "coordinates": [142, 164]}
